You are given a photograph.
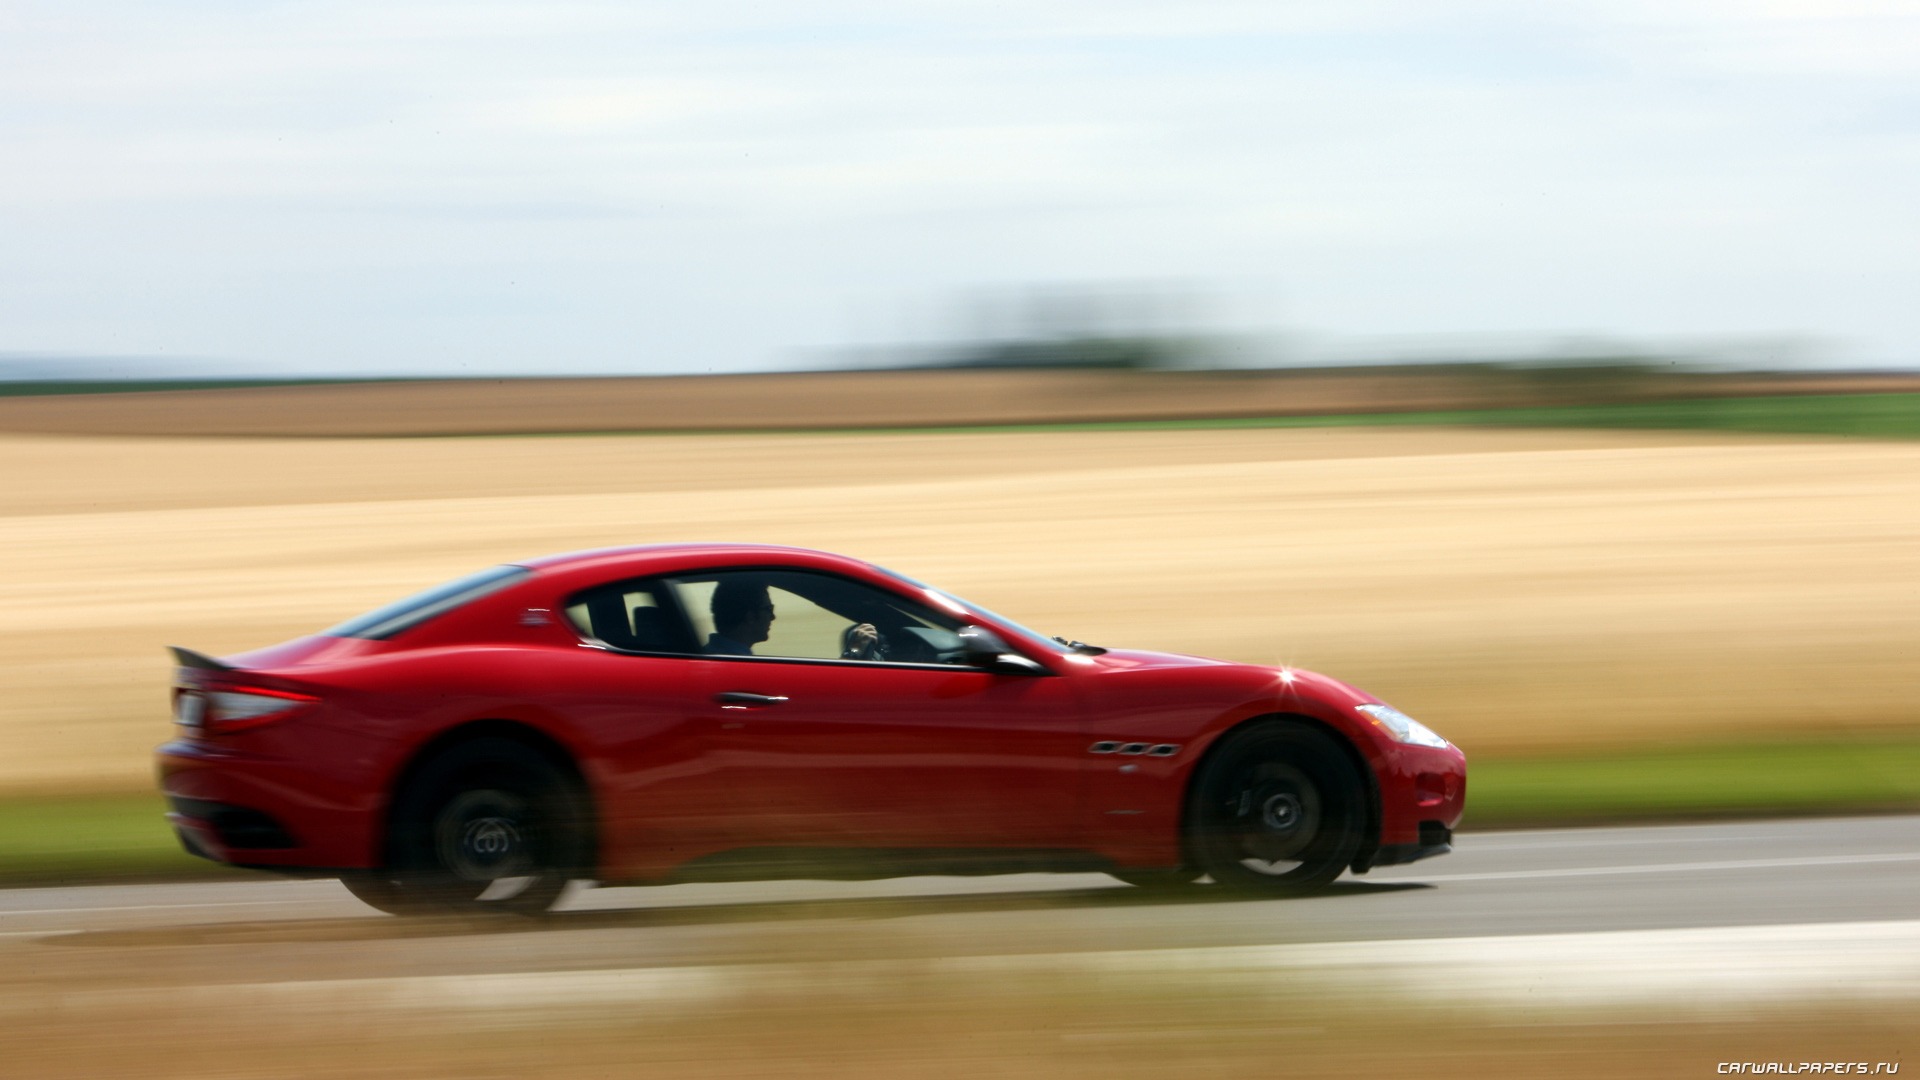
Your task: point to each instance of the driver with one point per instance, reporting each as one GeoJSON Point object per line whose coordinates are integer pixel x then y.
{"type": "Point", "coordinates": [742, 617]}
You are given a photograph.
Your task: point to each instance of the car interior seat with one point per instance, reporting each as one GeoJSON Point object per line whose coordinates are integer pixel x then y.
{"type": "Point", "coordinates": [652, 630]}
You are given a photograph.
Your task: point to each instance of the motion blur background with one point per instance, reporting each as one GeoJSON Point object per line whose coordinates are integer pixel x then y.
{"type": "Point", "coordinates": [1549, 370]}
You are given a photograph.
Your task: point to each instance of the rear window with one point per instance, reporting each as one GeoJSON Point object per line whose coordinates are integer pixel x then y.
{"type": "Point", "coordinates": [405, 614]}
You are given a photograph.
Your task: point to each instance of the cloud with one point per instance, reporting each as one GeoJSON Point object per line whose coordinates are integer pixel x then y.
{"type": "Point", "coordinates": [778, 169]}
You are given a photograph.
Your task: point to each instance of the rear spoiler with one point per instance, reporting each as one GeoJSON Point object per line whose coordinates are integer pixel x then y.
{"type": "Point", "coordinates": [190, 659]}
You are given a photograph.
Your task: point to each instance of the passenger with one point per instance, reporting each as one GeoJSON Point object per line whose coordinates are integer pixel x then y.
{"type": "Point", "coordinates": [742, 617]}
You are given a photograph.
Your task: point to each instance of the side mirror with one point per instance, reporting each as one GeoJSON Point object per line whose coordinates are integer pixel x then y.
{"type": "Point", "coordinates": [984, 649]}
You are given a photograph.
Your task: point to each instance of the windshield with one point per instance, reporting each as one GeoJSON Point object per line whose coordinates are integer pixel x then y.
{"type": "Point", "coordinates": [1051, 644]}
{"type": "Point", "coordinates": [405, 614]}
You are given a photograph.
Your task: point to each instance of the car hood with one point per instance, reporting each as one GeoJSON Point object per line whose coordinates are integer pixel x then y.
{"type": "Point", "coordinates": [1283, 678]}
{"type": "Point", "coordinates": [1131, 659]}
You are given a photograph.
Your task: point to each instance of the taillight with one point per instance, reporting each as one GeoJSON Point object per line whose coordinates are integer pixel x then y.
{"type": "Point", "coordinates": [217, 712]}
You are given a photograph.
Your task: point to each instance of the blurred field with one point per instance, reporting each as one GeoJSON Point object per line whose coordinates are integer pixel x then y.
{"type": "Point", "coordinates": [1522, 591]}
{"type": "Point", "coordinates": [918, 1024]}
{"type": "Point", "coordinates": [934, 1032]}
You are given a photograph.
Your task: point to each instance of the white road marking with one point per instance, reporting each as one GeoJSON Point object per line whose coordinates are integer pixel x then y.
{"type": "Point", "coordinates": [1706, 969]}
{"type": "Point", "coordinates": [1507, 841]}
{"type": "Point", "coordinates": [1678, 868]}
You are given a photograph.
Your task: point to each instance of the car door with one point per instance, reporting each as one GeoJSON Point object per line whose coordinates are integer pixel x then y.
{"type": "Point", "coordinates": [635, 687]}
{"type": "Point", "coordinates": [911, 748]}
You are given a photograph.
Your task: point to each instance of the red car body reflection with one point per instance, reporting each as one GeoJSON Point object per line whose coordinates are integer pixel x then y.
{"type": "Point", "coordinates": [568, 718]}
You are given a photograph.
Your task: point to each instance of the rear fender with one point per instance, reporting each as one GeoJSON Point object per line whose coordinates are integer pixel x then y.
{"type": "Point", "coordinates": [537, 739]}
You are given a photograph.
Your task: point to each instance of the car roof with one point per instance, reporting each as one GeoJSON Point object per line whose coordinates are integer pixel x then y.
{"type": "Point", "coordinates": [656, 558]}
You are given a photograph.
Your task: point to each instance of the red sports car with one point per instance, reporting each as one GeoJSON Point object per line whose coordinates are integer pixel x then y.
{"type": "Point", "coordinates": [706, 712]}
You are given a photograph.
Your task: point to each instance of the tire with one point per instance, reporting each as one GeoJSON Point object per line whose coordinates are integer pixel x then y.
{"type": "Point", "coordinates": [1158, 880]}
{"type": "Point", "coordinates": [1278, 807]}
{"type": "Point", "coordinates": [487, 826]}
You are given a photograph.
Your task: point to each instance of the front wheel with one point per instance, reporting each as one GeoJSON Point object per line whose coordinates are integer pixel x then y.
{"type": "Point", "coordinates": [1277, 807]}
{"type": "Point", "coordinates": [488, 826]}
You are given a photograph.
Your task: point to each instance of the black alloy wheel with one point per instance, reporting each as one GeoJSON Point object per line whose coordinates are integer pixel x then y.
{"type": "Point", "coordinates": [490, 826]}
{"type": "Point", "coordinates": [1277, 807]}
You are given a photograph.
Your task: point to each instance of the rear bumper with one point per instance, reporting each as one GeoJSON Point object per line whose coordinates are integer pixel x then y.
{"type": "Point", "coordinates": [249, 809]}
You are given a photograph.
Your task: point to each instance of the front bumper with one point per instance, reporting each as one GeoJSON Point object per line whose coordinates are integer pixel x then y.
{"type": "Point", "coordinates": [1423, 794]}
{"type": "Point", "coordinates": [1435, 839]}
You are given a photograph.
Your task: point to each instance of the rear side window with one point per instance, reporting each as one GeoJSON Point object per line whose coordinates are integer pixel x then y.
{"type": "Point", "coordinates": [630, 616]}
{"type": "Point", "coordinates": [406, 614]}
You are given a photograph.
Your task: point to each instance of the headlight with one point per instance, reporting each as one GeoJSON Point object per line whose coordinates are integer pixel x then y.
{"type": "Point", "coordinates": [1402, 727]}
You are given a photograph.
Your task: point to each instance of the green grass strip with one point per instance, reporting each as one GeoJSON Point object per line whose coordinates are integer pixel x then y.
{"type": "Point", "coordinates": [1876, 415]}
{"type": "Point", "coordinates": [79, 839]}
{"type": "Point", "coordinates": [90, 839]}
{"type": "Point", "coordinates": [1719, 780]}
{"type": "Point", "coordinates": [1885, 416]}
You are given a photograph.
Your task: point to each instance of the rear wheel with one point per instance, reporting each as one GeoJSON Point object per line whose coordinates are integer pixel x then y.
{"type": "Point", "coordinates": [1278, 807]}
{"type": "Point", "coordinates": [487, 826]}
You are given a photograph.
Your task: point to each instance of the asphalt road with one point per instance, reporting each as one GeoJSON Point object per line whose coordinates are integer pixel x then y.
{"type": "Point", "coordinates": [1766, 873]}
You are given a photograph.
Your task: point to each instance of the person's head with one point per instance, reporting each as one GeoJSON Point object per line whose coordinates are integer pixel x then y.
{"type": "Point", "coordinates": [742, 610]}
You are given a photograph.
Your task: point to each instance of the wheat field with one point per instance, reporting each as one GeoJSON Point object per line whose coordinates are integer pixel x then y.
{"type": "Point", "coordinates": [1520, 591]}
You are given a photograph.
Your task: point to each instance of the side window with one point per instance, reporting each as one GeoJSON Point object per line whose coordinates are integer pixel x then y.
{"type": "Point", "coordinates": [629, 615]}
{"type": "Point", "coordinates": [812, 616]}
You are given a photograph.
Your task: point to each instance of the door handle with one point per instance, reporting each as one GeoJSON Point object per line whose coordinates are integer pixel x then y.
{"type": "Point", "coordinates": [741, 699]}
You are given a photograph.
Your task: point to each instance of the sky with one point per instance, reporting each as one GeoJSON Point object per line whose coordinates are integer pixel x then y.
{"type": "Point", "coordinates": [344, 187]}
